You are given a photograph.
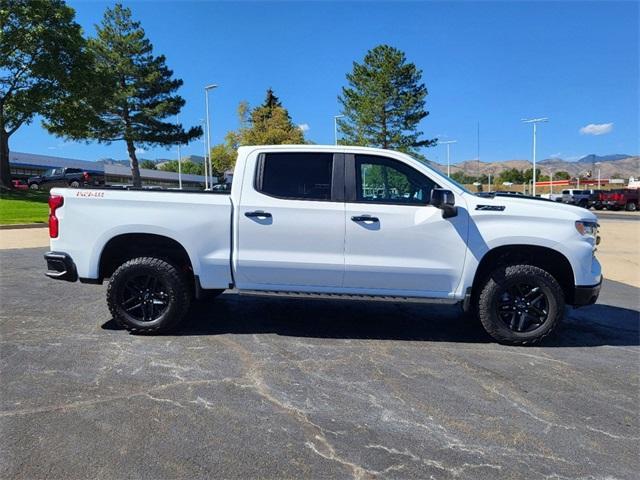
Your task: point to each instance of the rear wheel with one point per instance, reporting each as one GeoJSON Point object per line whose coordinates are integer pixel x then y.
{"type": "Point", "coordinates": [631, 207]}
{"type": "Point", "coordinates": [74, 184]}
{"type": "Point", "coordinates": [148, 295]}
{"type": "Point", "coordinates": [520, 304]}
{"type": "Point", "coordinates": [598, 207]}
{"type": "Point", "coordinates": [34, 186]}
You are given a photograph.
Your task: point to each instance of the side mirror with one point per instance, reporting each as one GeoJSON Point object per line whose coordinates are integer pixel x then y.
{"type": "Point", "coordinates": [445, 201]}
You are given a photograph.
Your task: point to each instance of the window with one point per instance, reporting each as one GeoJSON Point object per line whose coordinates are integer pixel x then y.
{"type": "Point", "coordinates": [383, 180]}
{"type": "Point", "coordinates": [304, 176]}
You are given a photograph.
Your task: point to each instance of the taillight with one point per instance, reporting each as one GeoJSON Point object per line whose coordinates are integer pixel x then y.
{"type": "Point", "coordinates": [86, 176]}
{"type": "Point", "coordinates": [55, 202]}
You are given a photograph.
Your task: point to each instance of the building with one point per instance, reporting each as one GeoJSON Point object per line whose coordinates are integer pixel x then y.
{"type": "Point", "coordinates": [25, 165]}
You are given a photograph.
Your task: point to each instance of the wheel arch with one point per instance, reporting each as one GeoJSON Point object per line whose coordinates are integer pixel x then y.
{"type": "Point", "coordinates": [126, 246]}
{"type": "Point", "coordinates": [549, 259]}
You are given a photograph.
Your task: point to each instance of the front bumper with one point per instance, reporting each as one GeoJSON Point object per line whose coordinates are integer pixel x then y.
{"type": "Point", "coordinates": [586, 295]}
{"type": "Point", "coordinates": [60, 266]}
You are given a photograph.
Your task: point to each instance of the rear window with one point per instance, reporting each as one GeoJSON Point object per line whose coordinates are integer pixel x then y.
{"type": "Point", "coordinates": [303, 176]}
{"type": "Point", "coordinates": [566, 192]}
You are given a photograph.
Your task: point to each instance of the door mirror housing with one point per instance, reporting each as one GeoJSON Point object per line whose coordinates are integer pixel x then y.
{"type": "Point", "coordinates": [445, 200]}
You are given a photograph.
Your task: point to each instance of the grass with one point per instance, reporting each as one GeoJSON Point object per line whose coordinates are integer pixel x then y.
{"type": "Point", "coordinates": [23, 207]}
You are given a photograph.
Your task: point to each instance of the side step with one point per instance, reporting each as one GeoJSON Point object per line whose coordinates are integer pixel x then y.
{"type": "Point", "coordinates": [346, 296]}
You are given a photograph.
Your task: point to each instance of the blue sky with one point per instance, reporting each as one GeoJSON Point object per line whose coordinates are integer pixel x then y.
{"type": "Point", "coordinates": [493, 63]}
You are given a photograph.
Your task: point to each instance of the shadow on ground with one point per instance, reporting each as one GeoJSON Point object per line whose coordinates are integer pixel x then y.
{"type": "Point", "coordinates": [594, 325]}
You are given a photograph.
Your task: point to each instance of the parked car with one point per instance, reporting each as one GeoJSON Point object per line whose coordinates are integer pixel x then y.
{"type": "Point", "coordinates": [626, 198]}
{"type": "Point", "coordinates": [19, 184]}
{"type": "Point", "coordinates": [554, 197]}
{"type": "Point", "coordinates": [577, 197]}
{"type": "Point", "coordinates": [311, 220]}
{"type": "Point", "coordinates": [65, 177]}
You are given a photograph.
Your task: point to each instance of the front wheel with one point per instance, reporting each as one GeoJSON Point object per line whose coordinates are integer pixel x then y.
{"type": "Point", "coordinates": [520, 304]}
{"type": "Point", "coordinates": [631, 207]}
{"type": "Point", "coordinates": [148, 295]}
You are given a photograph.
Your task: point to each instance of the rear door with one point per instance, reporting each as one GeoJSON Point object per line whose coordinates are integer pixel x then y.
{"type": "Point", "coordinates": [396, 243]}
{"type": "Point", "coordinates": [290, 233]}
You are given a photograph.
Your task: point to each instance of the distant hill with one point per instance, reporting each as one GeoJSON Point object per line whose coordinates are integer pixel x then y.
{"type": "Point", "coordinates": [604, 158]}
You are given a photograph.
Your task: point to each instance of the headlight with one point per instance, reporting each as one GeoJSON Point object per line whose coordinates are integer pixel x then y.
{"type": "Point", "coordinates": [587, 229]}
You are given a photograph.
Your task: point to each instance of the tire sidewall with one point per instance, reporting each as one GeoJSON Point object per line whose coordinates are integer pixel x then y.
{"type": "Point", "coordinates": [505, 277]}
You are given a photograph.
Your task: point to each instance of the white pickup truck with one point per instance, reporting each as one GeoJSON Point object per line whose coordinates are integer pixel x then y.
{"type": "Point", "coordinates": [335, 221]}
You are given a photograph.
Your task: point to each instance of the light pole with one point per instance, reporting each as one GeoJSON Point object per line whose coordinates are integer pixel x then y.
{"type": "Point", "coordinates": [550, 180]}
{"type": "Point", "coordinates": [535, 122]}
{"type": "Point", "coordinates": [335, 128]}
{"type": "Point", "coordinates": [206, 101]}
{"type": "Point", "coordinates": [179, 158]}
{"type": "Point", "coordinates": [204, 162]}
{"type": "Point", "coordinates": [598, 164]}
{"type": "Point", "coordinates": [447, 143]}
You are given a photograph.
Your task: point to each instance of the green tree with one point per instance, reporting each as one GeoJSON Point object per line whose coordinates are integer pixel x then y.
{"type": "Point", "coordinates": [527, 175]}
{"type": "Point", "coordinates": [44, 67]}
{"type": "Point", "coordinates": [148, 164]}
{"type": "Point", "coordinates": [139, 91]}
{"type": "Point", "coordinates": [267, 124]}
{"type": "Point", "coordinates": [384, 102]}
{"type": "Point", "coordinates": [512, 175]}
{"type": "Point", "coordinates": [223, 155]}
{"type": "Point", "coordinates": [192, 168]}
{"type": "Point", "coordinates": [561, 175]}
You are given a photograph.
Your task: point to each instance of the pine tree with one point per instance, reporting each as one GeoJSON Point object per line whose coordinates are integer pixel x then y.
{"type": "Point", "coordinates": [137, 88]}
{"type": "Point", "coordinates": [384, 102]}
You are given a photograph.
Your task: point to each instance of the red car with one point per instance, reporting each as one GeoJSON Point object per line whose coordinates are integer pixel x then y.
{"type": "Point", "coordinates": [626, 198]}
{"type": "Point", "coordinates": [19, 185]}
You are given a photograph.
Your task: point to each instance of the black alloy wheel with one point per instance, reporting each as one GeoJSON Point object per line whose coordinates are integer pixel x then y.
{"type": "Point", "coordinates": [522, 307]}
{"type": "Point", "coordinates": [144, 297]}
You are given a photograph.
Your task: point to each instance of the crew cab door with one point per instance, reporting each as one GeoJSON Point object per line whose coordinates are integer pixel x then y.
{"type": "Point", "coordinates": [290, 222]}
{"type": "Point", "coordinates": [396, 243]}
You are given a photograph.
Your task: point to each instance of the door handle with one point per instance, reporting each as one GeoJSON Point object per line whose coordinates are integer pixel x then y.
{"type": "Point", "coordinates": [257, 214]}
{"type": "Point", "coordinates": [364, 218]}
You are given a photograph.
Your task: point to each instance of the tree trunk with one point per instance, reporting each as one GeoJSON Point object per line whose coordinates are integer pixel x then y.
{"type": "Point", "coordinates": [5, 169]}
{"type": "Point", "coordinates": [133, 160]}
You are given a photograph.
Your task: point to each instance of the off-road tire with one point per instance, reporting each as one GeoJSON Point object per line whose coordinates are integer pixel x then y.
{"type": "Point", "coordinates": [630, 207]}
{"type": "Point", "coordinates": [74, 184]}
{"type": "Point", "coordinates": [178, 294]}
{"type": "Point", "coordinates": [494, 284]}
{"type": "Point", "coordinates": [34, 186]}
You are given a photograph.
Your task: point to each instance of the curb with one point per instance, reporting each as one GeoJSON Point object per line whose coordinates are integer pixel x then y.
{"type": "Point", "coordinates": [19, 226]}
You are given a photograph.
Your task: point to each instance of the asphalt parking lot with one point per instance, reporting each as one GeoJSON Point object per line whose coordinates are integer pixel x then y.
{"type": "Point", "coordinates": [275, 388]}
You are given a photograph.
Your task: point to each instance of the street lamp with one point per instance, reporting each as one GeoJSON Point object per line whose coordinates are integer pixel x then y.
{"type": "Point", "coordinates": [206, 101]}
{"type": "Point", "coordinates": [535, 122]}
{"type": "Point", "coordinates": [179, 158]}
{"type": "Point", "coordinates": [550, 180]}
{"type": "Point", "coordinates": [335, 128]}
{"type": "Point", "coordinates": [598, 163]}
{"type": "Point", "coordinates": [447, 143]}
{"type": "Point", "coordinates": [204, 162]}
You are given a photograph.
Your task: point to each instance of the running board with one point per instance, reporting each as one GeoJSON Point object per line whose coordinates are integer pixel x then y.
{"type": "Point", "coordinates": [347, 296]}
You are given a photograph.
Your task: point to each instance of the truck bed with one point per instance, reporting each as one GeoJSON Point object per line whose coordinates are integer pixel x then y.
{"type": "Point", "coordinates": [199, 221]}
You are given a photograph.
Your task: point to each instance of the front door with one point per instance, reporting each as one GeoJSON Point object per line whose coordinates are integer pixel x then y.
{"type": "Point", "coordinates": [291, 223]}
{"type": "Point", "coordinates": [396, 243]}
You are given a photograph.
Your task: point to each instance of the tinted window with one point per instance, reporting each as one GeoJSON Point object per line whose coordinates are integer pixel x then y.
{"type": "Point", "coordinates": [304, 176]}
{"type": "Point", "coordinates": [383, 180]}
{"type": "Point", "coordinates": [73, 170]}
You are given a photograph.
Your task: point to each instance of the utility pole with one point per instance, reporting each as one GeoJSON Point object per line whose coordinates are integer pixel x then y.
{"type": "Point", "coordinates": [535, 122]}
{"type": "Point", "coordinates": [335, 128]}
{"type": "Point", "coordinates": [448, 143]}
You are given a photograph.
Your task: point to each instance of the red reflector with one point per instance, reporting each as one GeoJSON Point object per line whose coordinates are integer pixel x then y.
{"type": "Point", "coordinates": [85, 175]}
{"type": "Point", "coordinates": [55, 202]}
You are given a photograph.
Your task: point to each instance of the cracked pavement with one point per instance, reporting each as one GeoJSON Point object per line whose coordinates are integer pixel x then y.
{"type": "Point", "coordinates": [280, 388]}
